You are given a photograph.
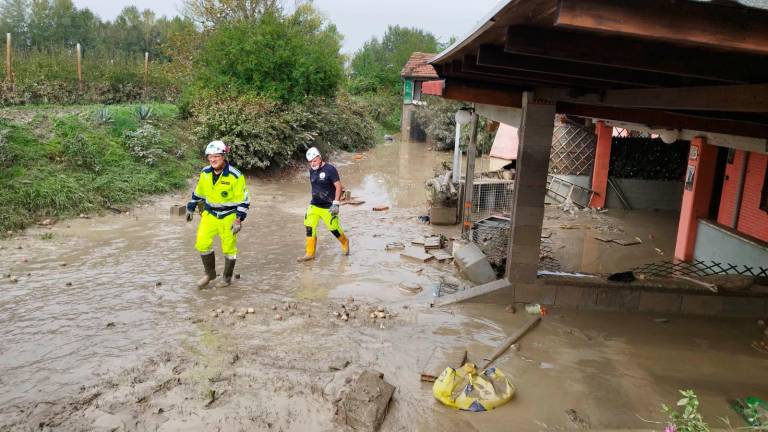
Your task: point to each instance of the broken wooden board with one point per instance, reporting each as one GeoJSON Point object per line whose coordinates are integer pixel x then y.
{"type": "Point", "coordinates": [432, 243]}
{"type": "Point", "coordinates": [353, 201]}
{"type": "Point", "coordinates": [417, 255]}
{"type": "Point", "coordinates": [629, 241]}
{"type": "Point", "coordinates": [381, 208]}
{"type": "Point", "coordinates": [605, 238]}
{"type": "Point", "coordinates": [363, 405]}
{"type": "Point", "coordinates": [441, 255]}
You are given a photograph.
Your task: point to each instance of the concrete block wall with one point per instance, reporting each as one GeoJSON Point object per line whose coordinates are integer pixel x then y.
{"type": "Point", "coordinates": [633, 299]}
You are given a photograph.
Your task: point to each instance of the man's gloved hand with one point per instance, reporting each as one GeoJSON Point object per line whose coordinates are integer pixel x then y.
{"type": "Point", "coordinates": [334, 208]}
{"type": "Point", "coordinates": [190, 215]}
{"type": "Point", "coordinates": [236, 226]}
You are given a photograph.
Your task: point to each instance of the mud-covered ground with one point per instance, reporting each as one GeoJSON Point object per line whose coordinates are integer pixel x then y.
{"type": "Point", "coordinates": [103, 329]}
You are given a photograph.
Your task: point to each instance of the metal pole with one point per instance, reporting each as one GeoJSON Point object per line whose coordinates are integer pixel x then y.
{"type": "Point", "coordinates": [457, 155]}
{"type": "Point", "coordinates": [470, 176]}
{"type": "Point", "coordinates": [8, 71]}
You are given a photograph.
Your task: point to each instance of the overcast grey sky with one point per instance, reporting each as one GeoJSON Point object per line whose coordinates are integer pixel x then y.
{"type": "Point", "coordinates": [357, 20]}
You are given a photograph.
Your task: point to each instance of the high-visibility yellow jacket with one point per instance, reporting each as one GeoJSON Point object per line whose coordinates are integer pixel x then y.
{"type": "Point", "coordinates": [222, 195]}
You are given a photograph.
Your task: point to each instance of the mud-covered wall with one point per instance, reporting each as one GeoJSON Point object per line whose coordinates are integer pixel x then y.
{"type": "Point", "coordinates": [647, 194]}
{"type": "Point", "coordinates": [720, 244]}
{"type": "Point", "coordinates": [641, 194]}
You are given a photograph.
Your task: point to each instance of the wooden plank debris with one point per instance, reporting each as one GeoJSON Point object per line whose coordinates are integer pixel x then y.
{"type": "Point", "coordinates": [418, 241]}
{"type": "Point", "coordinates": [381, 208]}
{"type": "Point", "coordinates": [709, 286]}
{"type": "Point", "coordinates": [441, 255]}
{"type": "Point", "coordinates": [628, 241]}
{"type": "Point", "coordinates": [432, 243]}
{"type": "Point", "coordinates": [604, 238]}
{"type": "Point", "coordinates": [353, 201]}
{"type": "Point", "coordinates": [417, 255]}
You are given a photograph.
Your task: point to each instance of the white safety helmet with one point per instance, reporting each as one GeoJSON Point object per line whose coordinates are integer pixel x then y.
{"type": "Point", "coordinates": [216, 147]}
{"type": "Point", "coordinates": [312, 153]}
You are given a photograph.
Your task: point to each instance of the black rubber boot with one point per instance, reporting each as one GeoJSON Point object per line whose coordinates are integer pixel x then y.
{"type": "Point", "coordinates": [229, 269]}
{"type": "Point", "coordinates": [209, 264]}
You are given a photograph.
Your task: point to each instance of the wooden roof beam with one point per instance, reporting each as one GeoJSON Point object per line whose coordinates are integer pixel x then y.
{"type": "Point", "coordinates": [474, 92]}
{"type": "Point", "coordinates": [665, 120]}
{"type": "Point", "coordinates": [490, 55]}
{"type": "Point", "coordinates": [750, 98]}
{"type": "Point", "coordinates": [469, 65]}
{"type": "Point", "coordinates": [651, 56]}
{"type": "Point", "coordinates": [706, 24]}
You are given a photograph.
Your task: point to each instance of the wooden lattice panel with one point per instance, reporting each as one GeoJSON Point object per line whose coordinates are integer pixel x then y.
{"type": "Point", "coordinates": [573, 150]}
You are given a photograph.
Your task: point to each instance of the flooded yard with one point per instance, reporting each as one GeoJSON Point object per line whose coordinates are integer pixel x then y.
{"type": "Point", "coordinates": [104, 329]}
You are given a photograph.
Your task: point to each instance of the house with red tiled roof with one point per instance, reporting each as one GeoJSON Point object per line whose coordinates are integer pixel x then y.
{"type": "Point", "coordinates": [416, 71]}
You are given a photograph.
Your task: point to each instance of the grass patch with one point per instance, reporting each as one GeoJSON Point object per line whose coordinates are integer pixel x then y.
{"type": "Point", "coordinates": [86, 166]}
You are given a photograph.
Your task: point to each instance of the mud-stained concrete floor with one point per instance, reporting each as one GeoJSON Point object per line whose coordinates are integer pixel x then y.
{"type": "Point", "coordinates": [104, 330]}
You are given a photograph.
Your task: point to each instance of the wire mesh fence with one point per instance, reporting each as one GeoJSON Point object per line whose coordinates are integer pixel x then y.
{"type": "Point", "coordinates": [699, 268]}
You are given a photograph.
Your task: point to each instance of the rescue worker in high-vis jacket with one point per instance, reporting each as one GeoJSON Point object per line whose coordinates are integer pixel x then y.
{"type": "Point", "coordinates": [326, 193]}
{"type": "Point", "coordinates": [222, 190]}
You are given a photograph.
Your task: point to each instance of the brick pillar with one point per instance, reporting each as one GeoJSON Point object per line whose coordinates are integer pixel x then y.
{"type": "Point", "coordinates": [697, 195]}
{"type": "Point", "coordinates": [530, 189]}
{"type": "Point", "coordinates": [602, 163]}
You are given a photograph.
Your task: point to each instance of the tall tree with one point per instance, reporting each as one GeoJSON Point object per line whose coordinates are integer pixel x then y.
{"type": "Point", "coordinates": [286, 58]}
{"type": "Point", "coordinates": [210, 13]}
{"type": "Point", "coordinates": [376, 66]}
{"type": "Point", "coordinates": [14, 20]}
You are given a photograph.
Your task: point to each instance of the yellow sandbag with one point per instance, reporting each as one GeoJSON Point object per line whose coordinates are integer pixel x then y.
{"type": "Point", "coordinates": [464, 389]}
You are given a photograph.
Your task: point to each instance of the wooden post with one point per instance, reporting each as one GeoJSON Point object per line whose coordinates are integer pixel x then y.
{"type": "Point", "coordinates": [470, 176]}
{"type": "Point", "coordinates": [8, 70]}
{"type": "Point", "coordinates": [79, 68]}
{"type": "Point", "coordinates": [146, 73]}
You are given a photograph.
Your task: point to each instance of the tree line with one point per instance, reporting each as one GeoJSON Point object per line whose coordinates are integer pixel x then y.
{"type": "Point", "coordinates": [52, 24]}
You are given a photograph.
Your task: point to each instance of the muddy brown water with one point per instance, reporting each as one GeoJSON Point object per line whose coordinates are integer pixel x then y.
{"type": "Point", "coordinates": [56, 345]}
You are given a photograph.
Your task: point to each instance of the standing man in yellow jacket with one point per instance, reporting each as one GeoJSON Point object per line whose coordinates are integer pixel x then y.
{"type": "Point", "coordinates": [326, 193]}
{"type": "Point", "coordinates": [224, 194]}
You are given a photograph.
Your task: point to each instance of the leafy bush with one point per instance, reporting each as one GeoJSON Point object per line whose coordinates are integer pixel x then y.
{"type": "Point", "coordinates": [266, 134]}
{"type": "Point", "coordinates": [144, 144]}
{"type": "Point", "coordinates": [282, 58]}
{"type": "Point", "coordinates": [685, 417]}
{"type": "Point", "coordinates": [81, 152]}
{"type": "Point", "coordinates": [437, 116]}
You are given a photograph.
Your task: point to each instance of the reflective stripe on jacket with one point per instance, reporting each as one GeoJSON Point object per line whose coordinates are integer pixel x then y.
{"type": "Point", "coordinates": [228, 195]}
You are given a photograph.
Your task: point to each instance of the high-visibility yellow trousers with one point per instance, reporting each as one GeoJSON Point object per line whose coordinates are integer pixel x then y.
{"type": "Point", "coordinates": [210, 227]}
{"type": "Point", "coordinates": [315, 214]}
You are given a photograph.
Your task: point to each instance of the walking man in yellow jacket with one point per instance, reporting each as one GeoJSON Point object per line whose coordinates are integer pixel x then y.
{"type": "Point", "coordinates": [326, 193]}
{"type": "Point", "coordinates": [222, 190]}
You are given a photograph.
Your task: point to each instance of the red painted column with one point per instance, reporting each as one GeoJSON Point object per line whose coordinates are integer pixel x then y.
{"type": "Point", "coordinates": [697, 194]}
{"type": "Point", "coordinates": [602, 163]}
